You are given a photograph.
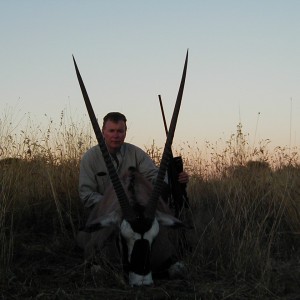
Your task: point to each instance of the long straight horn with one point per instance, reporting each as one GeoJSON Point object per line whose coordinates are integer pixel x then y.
{"type": "Point", "coordinates": [167, 149]}
{"type": "Point", "coordinates": [119, 190]}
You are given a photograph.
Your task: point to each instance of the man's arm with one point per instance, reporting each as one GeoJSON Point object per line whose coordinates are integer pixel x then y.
{"type": "Point", "coordinates": [88, 187]}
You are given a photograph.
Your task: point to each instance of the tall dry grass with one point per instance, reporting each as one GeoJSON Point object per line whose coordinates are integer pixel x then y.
{"type": "Point", "coordinates": [39, 180]}
{"type": "Point", "coordinates": [245, 207]}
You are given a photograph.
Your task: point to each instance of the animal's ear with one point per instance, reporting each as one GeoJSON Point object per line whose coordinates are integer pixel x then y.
{"type": "Point", "coordinates": [132, 169]}
{"type": "Point", "coordinates": [103, 221]}
{"type": "Point", "coordinates": [168, 220]}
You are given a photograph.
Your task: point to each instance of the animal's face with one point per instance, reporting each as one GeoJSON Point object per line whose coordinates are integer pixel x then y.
{"type": "Point", "coordinates": [139, 251]}
{"type": "Point", "coordinates": [141, 232]}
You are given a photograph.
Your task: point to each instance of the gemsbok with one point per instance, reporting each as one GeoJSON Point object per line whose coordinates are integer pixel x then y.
{"type": "Point", "coordinates": [131, 204]}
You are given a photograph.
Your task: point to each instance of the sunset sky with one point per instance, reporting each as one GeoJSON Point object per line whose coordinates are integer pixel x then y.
{"type": "Point", "coordinates": [244, 65]}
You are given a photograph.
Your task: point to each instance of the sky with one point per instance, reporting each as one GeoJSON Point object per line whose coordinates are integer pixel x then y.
{"type": "Point", "coordinates": [244, 65]}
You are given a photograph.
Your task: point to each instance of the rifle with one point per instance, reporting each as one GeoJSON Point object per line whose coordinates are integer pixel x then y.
{"type": "Point", "coordinates": [178, 198]}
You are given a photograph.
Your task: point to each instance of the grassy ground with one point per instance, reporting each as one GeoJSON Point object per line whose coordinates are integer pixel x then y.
{"type": "Point", "coordinates": [244, 245]}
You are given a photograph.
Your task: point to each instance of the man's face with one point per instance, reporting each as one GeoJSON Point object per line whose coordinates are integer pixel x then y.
{"type": "Point", "coordinates": [114, 134]}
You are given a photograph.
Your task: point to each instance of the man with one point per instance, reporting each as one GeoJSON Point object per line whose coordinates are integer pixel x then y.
{"type": "Point", "coordinates": [94, 180]}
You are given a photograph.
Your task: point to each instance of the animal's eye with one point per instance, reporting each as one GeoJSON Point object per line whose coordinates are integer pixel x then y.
{"type": "Point", "coordinates": [101, 174]}
{"type": "Point", "coordinates": [132, 169]}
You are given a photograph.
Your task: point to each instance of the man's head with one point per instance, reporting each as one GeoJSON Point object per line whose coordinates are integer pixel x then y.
{"type": "Point", "coordinates": [114, 130]}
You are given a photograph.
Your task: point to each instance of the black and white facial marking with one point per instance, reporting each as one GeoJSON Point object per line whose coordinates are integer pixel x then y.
{"type": "Point", "coordinates": [138, 233]}
{"type": "Point", "coordinates": [139, 250]}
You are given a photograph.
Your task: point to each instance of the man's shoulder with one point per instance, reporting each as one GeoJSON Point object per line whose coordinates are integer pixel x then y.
{"type": "Point", "coordinates": [135, 153]}
{"type": "Point", "coordinates": [93, 151]}
{"type": "Point", "coordinates": [132, 148]}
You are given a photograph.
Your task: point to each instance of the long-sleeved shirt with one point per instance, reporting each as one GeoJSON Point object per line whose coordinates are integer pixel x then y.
{"type": "Point", "coordinates": [94, 178]}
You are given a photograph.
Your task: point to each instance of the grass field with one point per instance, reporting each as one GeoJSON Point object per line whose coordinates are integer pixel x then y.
{"type": "Point", "coordinates": [245, 207]}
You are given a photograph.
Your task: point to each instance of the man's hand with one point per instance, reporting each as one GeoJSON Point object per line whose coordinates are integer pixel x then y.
{"type": "Point", "coordinates": [183, 177]}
